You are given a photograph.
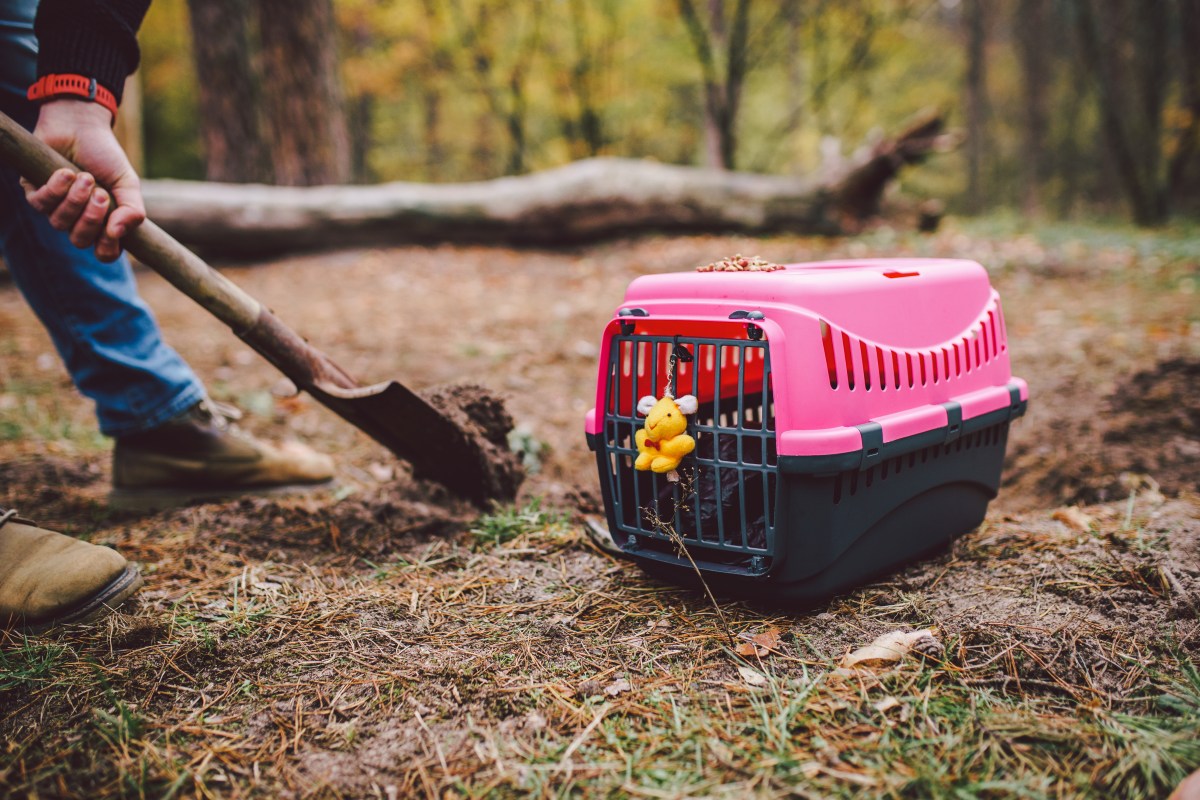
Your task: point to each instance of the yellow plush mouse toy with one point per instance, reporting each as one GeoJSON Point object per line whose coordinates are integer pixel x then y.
{"type": "Point", "coordinates": [663, 442]}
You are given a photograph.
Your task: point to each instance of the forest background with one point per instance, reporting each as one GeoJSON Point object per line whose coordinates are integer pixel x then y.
{"type": "Point", "coordinates": [1066, 108]}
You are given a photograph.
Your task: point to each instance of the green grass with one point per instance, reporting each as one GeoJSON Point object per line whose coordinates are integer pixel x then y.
{"type": "Point", "coordinates": [1006, 240]}
{"type": "Point", "coordinates": [1179, 241]}
{"type": "Point", "coordinates": [30, 664]}
{"type": "Point", "coordinates": [508, 522]}
{"type": "Point", "coordinates": [33, 412]}
{"type": "Point", "coordinates": [148, 763]}
{"type": "Point", "coordinates": [828, 737]}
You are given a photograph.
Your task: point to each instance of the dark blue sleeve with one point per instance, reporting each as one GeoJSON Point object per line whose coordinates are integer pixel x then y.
{"type": "Point", "coordinates": [94, 38]}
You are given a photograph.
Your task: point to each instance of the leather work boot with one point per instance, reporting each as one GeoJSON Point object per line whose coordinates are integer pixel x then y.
{"type": "Point", "coordinates": [49, 579]}
{"type": "Point", "coordinates": [1189, 789]}
{"type": "Point", "coordinates": [202, 455]}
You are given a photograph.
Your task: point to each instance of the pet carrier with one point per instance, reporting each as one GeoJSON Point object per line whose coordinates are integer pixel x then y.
{"type": "Point", "coordinates": [848, 417]}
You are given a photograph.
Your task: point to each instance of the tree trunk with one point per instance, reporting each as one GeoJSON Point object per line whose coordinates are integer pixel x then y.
{"type": "Point", "coordinates": [1124, 48]}
{"type": "Point", "coordinates": [796, 82]}
{"type": "Point", "coordinates": [128, 126]}
{"type": "Point", "coordinates": [518, 103]}
{"type": "Point", "coordinates": [714, 43]}
{"type": "Point", "coordinates": [230, 116]}
{"type": "Point", "coordinates": [585, 128]}
{"type": "Point", "coordinates": [584, 201]}
{"type": "Point", "coordinates": [360, 112]}
{"type": "Point", "coordinates": [1152, 32]}
{"type": "Point", "coordinates": [431, 130]}
{"type": "Point", "coordinates": [440, 62]}
{"type": "Point", "coordinates": [1189, 138]}
{"type": "Point", "coordinates": [1069, 158]}
{"type": "Point", "coordinates": [1033, 49]}
{"type": "Point", "coordinates": [475, 48]}
{"type": "Point", "coordinates": [303, 97]}
{"type": "Point", "coordinates": [976, 102]}
{"type": "Point", "coordinates": [715, 124]}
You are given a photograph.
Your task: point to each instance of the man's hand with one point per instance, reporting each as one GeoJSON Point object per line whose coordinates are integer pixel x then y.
{"type": "Point", "coordinates": [82, 131]}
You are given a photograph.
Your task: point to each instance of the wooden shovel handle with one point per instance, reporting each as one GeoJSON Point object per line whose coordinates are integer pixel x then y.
{"type": "Point", "coordinates": [149, 243]}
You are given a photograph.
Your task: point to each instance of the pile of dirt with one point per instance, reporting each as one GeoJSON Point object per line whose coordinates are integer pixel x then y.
{"type": "Point", "coordinates": [389, 520]}
{"type": "Point", "coordinates": [1089, 452]}
{"type": "Point", "coordinates": [49, 471]}
{"type": "Point", "coordinates": [51, 488]}
{"type": "Point", "coordinates": [1154, 425]}
{"type": "Point", "coordinates": [486, 424]}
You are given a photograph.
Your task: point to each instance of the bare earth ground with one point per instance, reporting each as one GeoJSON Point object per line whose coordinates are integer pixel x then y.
{"type": "Point", "coordinates": [383, 640]}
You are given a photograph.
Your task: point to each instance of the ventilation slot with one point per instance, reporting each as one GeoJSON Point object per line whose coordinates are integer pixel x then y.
{"type": "Point", "coordinates": [830, 360]}
{"type": "Point", "coordinates": [850, 371]}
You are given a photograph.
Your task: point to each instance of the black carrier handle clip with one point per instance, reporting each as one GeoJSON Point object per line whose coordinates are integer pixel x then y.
{"type": "Point", "coordinates": [625, 314]}
{"type": "Point", "coordinates": [679, 352]}
{"type": "Point", "coordinates": [753, 332]}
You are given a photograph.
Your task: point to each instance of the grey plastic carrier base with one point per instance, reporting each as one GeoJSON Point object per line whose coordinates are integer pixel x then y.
{"type": "Point", "coordinates": [833, 523]}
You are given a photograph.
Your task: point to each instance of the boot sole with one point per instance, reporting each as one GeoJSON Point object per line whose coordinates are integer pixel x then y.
{"type": "Point", "coordinates": [163, 499]}
{"type": "Point", "coordinates": [102, 603]}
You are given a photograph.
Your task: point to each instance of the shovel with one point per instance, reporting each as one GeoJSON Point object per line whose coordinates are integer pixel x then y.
{"type": "Point", "coordinates": [456, 444]}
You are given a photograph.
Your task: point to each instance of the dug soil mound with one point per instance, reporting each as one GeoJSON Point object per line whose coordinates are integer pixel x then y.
{"type": "Point", "coordinates": [485, 423]}
{"type": "Point", "coordinates": [65, 493]}
{"type": "Point", "coordinates": [1088, 451]}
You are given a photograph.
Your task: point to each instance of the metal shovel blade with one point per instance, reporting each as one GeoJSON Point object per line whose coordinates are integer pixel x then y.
{"type": "Point", "coordinates": [455, 453]}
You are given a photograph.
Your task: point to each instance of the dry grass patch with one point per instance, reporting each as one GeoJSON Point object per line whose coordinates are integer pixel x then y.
{"type": "Point", "coordinates": [525, 662]}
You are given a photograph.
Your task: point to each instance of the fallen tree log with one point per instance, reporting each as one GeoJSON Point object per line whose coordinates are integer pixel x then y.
{"type": "Point", "coordinates": [584, 201]}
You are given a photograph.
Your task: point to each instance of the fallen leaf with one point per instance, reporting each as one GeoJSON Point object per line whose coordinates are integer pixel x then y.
{"type": "Point", "coordinates": [752, 677]}
{"type": "Point", "coordinates": [760, 644]}
{"type": "Point", "coordinates": [886, 704]}
{"type": "Point", "coordinates": [893, 646]}
{"type": "Point", "coordinates": [261, 583]}
{"type": "Point", "coordinates": [381, 472]}
{"type": "Point", "coordinates": [616, 687]}
{"type": "Point", "coordinates": [1073, 518]}
{"type": "Point", "coordinates": [291, 404]}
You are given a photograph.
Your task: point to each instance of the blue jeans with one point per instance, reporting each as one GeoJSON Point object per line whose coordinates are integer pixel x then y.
{"type": "Point", "coordinates": [107, 337]}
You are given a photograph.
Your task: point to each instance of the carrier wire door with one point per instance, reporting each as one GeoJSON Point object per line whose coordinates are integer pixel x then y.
{"type": "Point", "coordinates": [723, 506]}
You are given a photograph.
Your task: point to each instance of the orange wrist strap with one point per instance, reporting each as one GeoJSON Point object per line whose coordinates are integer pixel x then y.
{"type": "Point", "coordinates": [50, 86]}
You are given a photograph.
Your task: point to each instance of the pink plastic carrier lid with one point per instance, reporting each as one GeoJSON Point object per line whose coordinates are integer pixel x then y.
{"type": "Point", "coordinates": [892, 348]}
